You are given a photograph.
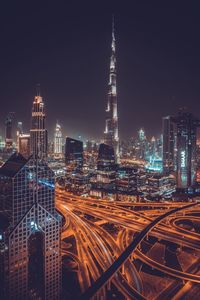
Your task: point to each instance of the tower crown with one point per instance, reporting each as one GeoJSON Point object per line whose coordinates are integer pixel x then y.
{"type": "Point", "coordinates": [38, 99]}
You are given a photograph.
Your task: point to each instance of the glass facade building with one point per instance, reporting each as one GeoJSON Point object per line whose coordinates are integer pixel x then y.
{"type": "Point", "coordinates": [31, 241]}
{"type": "Point", "coordinates": [73, 154]}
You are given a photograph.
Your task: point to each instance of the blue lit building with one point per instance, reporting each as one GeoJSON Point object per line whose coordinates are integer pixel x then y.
{"type": "Point", "coordinates": [186, 149]}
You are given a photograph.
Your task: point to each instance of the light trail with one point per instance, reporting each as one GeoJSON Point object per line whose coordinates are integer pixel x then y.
{"type": "Point", "coordinates": [103, 250]}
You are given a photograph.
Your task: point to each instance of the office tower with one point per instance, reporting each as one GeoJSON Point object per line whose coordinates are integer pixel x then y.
{"type": "Point", "coordinates": [106, 167]}
{"type": "Point", "coordinates": [58, 141]}
{"type": "Point", "coordinates": [38, 132]}
{"type": "Point", "coordinates": [24, 145]}
{"type": "Point", "coordinates": [9, 131]}
{"type": "Point", "coordinates": [73, 154]}
{"type": "Point", "coordinates": [159, 186]}
{"type": "Point", "coordinates": [19, 128]}
{"type": "Point", "coordinates": [169, 144]}
{"type": "Point", "coordinates": [19, 132]}
{"type": "Point", "coordinates": [111, 137]}
{"type": "Point", "coordinates": [186, 149]}
{"type": "Point", "coordinates": [141, 145]}
{"type": "Point", "coordinates": [153, 147]}
{"type": "Point", "coordinates": [127, 180]}
{"type": "Point", "coordinates": [141, 135]}
{"type": "Point", "coordinates": [30, 255]}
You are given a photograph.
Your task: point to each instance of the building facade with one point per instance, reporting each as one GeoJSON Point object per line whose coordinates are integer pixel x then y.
{"type": "Point", "coordinates": [186, 149]}
{"type": "Point", "coordinates": [9, 131]}
{"type": "Point", "coordinates": [73, 154]}
{"type": "Point", "coordinates": [38, 132]}
{"type": "Point", "coordinates": [58, 141]}
{"type": "Point", "coordinates": [111, 136]}
{"type": "Point", "coordinates": [24, 145]}
{"type": "Point", "coordinates": [30, 242]}
{"type": "Point", "coordinates": [169, 144]}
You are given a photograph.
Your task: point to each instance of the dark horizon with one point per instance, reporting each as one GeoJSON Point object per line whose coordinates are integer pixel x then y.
{"type": "Point", "coordinates": [66, 48]}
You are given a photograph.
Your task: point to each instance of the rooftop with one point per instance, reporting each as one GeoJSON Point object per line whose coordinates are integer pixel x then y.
{"type": "Point", "coordinates": [13, 165]}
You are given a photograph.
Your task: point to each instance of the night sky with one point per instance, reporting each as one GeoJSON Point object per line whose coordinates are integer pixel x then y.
{"type": "Point", "coordinates": [65, 46]}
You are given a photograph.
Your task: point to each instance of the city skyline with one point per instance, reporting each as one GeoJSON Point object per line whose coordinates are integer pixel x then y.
{"type": "Point", "coordinates": [155, 69]}
{"type": "Point", "coordinates": [100, 172]}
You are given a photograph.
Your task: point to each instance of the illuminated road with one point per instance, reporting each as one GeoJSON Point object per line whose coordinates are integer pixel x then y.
{"type": "Point", "coordinates": [104, 248]}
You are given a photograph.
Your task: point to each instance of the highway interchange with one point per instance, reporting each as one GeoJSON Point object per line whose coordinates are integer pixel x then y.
{"type": "Point", "coordinates": [163, 264]}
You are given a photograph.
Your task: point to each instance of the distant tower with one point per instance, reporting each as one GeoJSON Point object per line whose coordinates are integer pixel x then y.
{"type": "Point", "coordinates": [38, 131]}
{"type": "Point", "coordinates": [19, 132]}
{"type": "Point", "coordinates": [73, 154]}
{"type": "Point", "coordinates": [111, 137]}
{"type": "Point", "coordinates": [24, 145]}
{"type": "Point", "coordinates": [58, 141]}
{"type": "Point", "coordinates": [141, 135]}
{"type": "Point", "coordinates": [169, 134]}
{"type": "Point", "coordinates": [9, 131]}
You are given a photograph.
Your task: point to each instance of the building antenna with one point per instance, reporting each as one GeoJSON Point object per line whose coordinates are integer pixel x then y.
{"type": "Point", "coordinates": [38, 89]}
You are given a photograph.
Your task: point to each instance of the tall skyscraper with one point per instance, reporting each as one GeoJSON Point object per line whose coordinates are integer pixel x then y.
{"type": "Point", "coordinates": [106, 166]}
{"type": "Point", "coordinates": [9, 131]}
{"type": "Point", "coordinates": [24, 145]}
{"type": "Point", "coordinates": [179, 147]}
{"type": "Point", "coordinates": [141, 145]}
{"type": "Point", "coordinates": [38, 132]}
{"type": "Point", "coordinates": [186, 149]}
{"type": "Point", "coordinates": [30, 255]}
{"type": "Point", "coordinates": [73, 154]}
{"type": "Point", "coordinates": [19, 132]}
{"type": "Point", "coordinates": [169, 144]}
{"type": "Point", "coordinates": [111, 137]}
{"type": "Point", "coordinates": [58, 141]}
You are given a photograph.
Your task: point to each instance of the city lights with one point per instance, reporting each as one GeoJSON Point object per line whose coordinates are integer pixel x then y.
{"type": "Point", "coordinates": [90, 210]}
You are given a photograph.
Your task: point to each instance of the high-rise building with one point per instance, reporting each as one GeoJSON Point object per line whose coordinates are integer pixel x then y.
{"type": "Point", "coordinates": [30, 255]}
{"type": "Point", "coordinates": [186, 149]}
{"type": "Point", "coordinates": [103, 183]}
{"type": "Point", "coordinates": [73, 154]}
{"type": "Point", "coordinates": [169, 144]}
{"type": "Point", "coordinates": [9, 131]}
{"type": "Point", "coordinates": [19, 131]}
{"type": "Point", "coordinates": [106, 166]}
{"type": "Point", "coordinates": [127, 180]}
{"type": "Point", "coordinates": [24, 145]}
{"type": "Point", "coordinates": [141, 145]}
{"type": "Point", "coordinates": [19, 128]}
{"type": "Point", "coordinates": [58, 141]}
{"type": "Point", "coordinates": [38, 132]}
{"type": "Point", "coordinates": [111, 137]}
{"type": "Point", "coordinates": [179, 147]}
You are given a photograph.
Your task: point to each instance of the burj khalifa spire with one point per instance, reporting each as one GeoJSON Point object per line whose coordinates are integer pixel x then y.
{"type": "Point", "coordinates": [111, 137]}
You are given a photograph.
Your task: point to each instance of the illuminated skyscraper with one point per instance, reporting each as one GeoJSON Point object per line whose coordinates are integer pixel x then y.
{"type": "Point", "coordinates": [19, 132]}
{"type": "Point", "coordinates": [38, 130]}
{"type": "Point", "coordinates": [111, 137]}
{"type": "Point", "coordinates": [58, 141]}
{"type": "Point", "coordinates": [24, 145]}
{"type": "Point", "coordinates": [9, 131]}
{"type": "Point", "coordinates": [141, 135]}
{"type": "Point", "coordinates": [141, 145]}
{"type": "Point", "coordinates": [186, 149]}
{"type": "Point", "coordinates": [30, 257]}
{"type": "Point", "coordinates": [179, 147]}
{"type": "Point", "coordinates": [169, 144]}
